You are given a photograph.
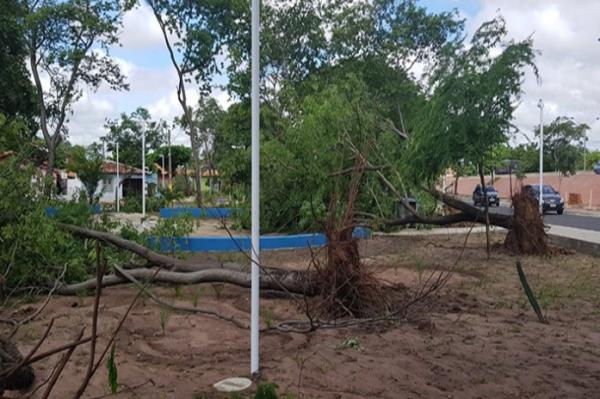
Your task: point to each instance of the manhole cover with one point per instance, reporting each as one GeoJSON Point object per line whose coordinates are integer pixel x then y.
{"type": "Point", "coordinates": [233, 384]}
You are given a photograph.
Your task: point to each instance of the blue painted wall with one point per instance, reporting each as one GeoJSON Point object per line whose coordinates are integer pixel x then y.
{"type": "Point", "coordinates": [226, 244]}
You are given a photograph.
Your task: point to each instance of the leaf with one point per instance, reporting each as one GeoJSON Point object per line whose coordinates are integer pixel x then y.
{"type": "Point", "coordinates": [112, 371]}
{"type": "Point", "coordinates": [529, 293]}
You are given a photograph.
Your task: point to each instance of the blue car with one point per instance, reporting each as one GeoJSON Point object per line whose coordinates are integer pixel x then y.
{"type": "Point", "coordinates": [597, 168]}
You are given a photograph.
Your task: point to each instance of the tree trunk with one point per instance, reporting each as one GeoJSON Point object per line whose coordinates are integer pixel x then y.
{"type": "Point", "coordinates": [196, 160]}
{"type": "Point", "coordinates": [487, 211]}
{"type": "Point", "coordinates": [49, 185]}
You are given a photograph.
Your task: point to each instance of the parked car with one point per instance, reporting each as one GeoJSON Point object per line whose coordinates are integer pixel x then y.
{"type": "Point", "coordinates": [492, 196]}
{"type": "Point", "coordinates": [597, 168]}
{"type": "Point", "coordinates": [551, 198]}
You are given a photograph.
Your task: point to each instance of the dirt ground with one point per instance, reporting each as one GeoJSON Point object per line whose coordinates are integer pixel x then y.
{"type": "Point", "coordinates": [478, 339]}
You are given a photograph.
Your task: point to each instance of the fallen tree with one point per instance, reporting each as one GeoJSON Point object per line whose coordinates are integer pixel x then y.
{"type": "Point", "coordinates": [526, 234]}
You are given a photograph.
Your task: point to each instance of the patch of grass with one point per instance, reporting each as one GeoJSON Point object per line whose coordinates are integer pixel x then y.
{"type": "Point", "coordinates": [232, 257]}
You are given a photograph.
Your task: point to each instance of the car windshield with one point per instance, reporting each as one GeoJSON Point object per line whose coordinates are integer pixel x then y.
{"type": "Point", "coordinates": [490, 189]}
{"type": "Point", "coordinates": [547, 190]}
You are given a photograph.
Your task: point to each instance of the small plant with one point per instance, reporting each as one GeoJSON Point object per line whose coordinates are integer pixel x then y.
{"type": "Point", "coordinates": [267, 316]}
{"type": "Point", "coordinates": [529, 293]}
{"type": "Point", "coordinates": [196, 295]}
{"type": "Point", "coordinates": [112, 370]}
{"type": "Point", "coordinates": [164, 319]}
{"type": "Point", "coordinates": [266, 390]}
{"type": "Point", "coordinates": [351, 343]}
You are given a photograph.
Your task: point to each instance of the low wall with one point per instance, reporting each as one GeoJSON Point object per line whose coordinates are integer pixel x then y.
{"type": "Point", "coordinates": [227, 244]}
{"type": "Point", "coordinates": [213, 213]}
{"type": "Point", "coordinates": [586, 184]}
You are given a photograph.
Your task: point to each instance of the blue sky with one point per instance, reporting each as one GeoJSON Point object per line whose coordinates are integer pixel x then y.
{"type": "Point", "coordinates": [566, 36]}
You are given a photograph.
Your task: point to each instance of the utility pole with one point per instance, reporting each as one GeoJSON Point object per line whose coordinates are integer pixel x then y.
{"type": "Point", "coordinates": [170, 167]}
{"type": "Point", "coordinates": [118, 179]}
{"type": "Point", "coordinates": [255, 254]}
{"type": "Point", "coordinates": [143, 125]}
{"type": "Point", "coordinates": [162, 170]}
{"type": "Point", "coordinates": [541, 107]}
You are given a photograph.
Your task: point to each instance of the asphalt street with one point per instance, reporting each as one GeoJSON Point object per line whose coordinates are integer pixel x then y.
{"type": "Point", "coordinates": [567, 219]}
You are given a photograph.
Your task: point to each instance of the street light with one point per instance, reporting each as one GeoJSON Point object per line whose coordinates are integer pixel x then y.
{"type": "Point", "coordinates": [118, 178]}
{"type": "Point", "coordinates": [541, 107]}
{"type": "Point", "coordinates": [162, 171]}
{"type": "Point", "coordinates": [255, 253]}
{"type": "Point", "coordinates": [143, 127]}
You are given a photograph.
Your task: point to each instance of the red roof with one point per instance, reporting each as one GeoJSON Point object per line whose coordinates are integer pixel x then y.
{"type": "Point", "coordinates": [110, 167]}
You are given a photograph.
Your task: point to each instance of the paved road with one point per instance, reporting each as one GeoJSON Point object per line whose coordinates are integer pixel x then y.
{"type": "Point", "coordinates": [566, 219]}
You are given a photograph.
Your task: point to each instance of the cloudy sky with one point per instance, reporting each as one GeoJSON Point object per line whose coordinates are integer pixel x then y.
{"type": "Point", "coordinates": [566, 33]}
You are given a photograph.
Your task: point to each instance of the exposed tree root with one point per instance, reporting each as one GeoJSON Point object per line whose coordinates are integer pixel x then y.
{"type": "Point", "coordinates": [527, 235]}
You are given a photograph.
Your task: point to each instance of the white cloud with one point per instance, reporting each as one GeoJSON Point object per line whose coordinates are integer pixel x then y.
{"type": "Point", "coordinates": [566, 33]}
{"type": "Point", "coordinates": [140, 29]}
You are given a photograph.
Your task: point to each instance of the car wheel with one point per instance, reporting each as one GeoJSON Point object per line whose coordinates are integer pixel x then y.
{"type": "Point", "coordinates": [559, 211]}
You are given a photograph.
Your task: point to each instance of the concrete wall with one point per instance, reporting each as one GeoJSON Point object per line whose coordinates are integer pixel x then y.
{"type": "Point", "coordinates": [586, 184]}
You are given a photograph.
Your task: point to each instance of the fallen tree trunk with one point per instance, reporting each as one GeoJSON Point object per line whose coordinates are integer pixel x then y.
{"type": "Point", "coordinates": [154, 258]}
{"type": "Point", "coordinates": [294, 282]}
{"type": "Point", "coordinates": [468, 213]}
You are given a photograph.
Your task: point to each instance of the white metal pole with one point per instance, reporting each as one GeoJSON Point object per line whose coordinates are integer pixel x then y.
{"type": "Point", "coordinates": [162, 171]}
{"type": "Point", "coordinates": [541, 106]}
{"type": "Point", "coordinates": [143, 125]}
{"type": "Point", "coordinates": [118, 179]}
{"type": "Point", "coordinates": [255, 258]}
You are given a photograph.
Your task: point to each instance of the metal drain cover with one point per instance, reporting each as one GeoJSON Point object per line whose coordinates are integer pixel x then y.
{"type": "Point", "coordinates": [234, 384]}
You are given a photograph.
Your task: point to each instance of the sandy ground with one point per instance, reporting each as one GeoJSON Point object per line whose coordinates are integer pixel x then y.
{"type": "Point", "coordinates": [478, 339]}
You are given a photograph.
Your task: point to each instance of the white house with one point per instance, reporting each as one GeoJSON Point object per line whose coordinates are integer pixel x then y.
{"type": "Point", "coordinates": [130, 177]}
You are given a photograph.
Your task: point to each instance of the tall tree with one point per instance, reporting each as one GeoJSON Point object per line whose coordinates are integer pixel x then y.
{"type": "Point", "coordinates": [475, 92]}
{"type": "Point", "coordinates": [127, 131]}
{"type": "Point", "coordinates": [563, 143]}
{"type": "Point", "coordinates": [68, 43]}
{"type": "Point", "coordinates": [17, 101]}
{"type": "Point", "coordinates": [194, 34]}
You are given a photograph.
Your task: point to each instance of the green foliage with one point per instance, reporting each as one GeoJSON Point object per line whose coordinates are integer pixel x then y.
{"type": "Point", "coordinates": [470, 111]}
{"type": "Point", "coordinates": [87, 163]}
{"type": "Point", "coordinates": [180, 156]}
{"type": "Point", "coordinates": [266, 390]}
{"type": "Point", "coordinates": [17, 102]}
{"type": "Point", "coordinates": [112, 370]}
{"type": "Point", "coordinates": [69, 41]}
{"type": "Point", "coordinates": [530, 294]}
{"type": "Point", "coordinates": [563, 144]}
{"type": "Point", "coordinates": [127, 131]}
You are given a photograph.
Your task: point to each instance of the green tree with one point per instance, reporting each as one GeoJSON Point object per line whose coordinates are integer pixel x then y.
{"type": "Point", "coordinates": [17, 100]}
{"type": "Point", "coordinates": [563, 144]}
{"type": "Point", "coordinates": [127, 131]}
{"type": "Point", "coordinates": [474, 93]}
{"type": "Point", "coordinates": [68, 41]}
{"type": "Point", "coordinates": [470, 112]}
{"type": "Point", "coordinates": [87, 163]}
{"type": "Point", "coordinates": [180, 156]}
{"type": "Point", "coordinates": [200, 30]}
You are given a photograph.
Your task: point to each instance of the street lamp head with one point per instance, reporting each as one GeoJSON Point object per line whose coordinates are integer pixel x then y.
{"type": "Point", "coordinates": [540, 104]}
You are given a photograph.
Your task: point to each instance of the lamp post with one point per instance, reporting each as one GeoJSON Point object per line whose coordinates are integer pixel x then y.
{"type": "Point", "coordinates": [541, 107]}
{"type": "Point", "coordinates": [162, 171]}
{"type": "Point", "coordinates": [118, 179]}
{"type": "Point", "coordinates": [255, 258]}
{"type": "Point", "coordinates": [143, 126]}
